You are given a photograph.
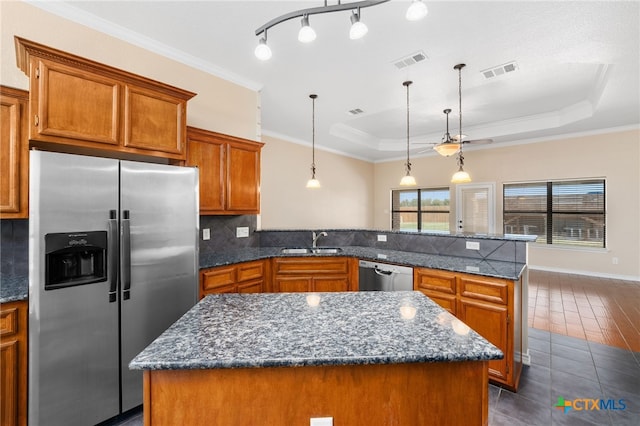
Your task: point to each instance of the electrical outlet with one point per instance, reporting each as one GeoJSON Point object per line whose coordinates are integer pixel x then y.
{"type": "Point", "coordinates": [473, 245]}
{"type": "Point", "coordinates": [382, 256]}
{"type": "Point", "coordinates": [242, 232]}
{"type": "Point", "coordinates": [382, 238]}
{"type": "Point", "coordinates": [206, 234]}
{"type": "Point", "coordinates": [321, 421]}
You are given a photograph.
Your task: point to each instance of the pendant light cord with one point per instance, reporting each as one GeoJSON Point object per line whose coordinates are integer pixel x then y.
{"type": "Point", "coordinates": [460, 156]}
{"type": "Point", "coordinates": [408, 163]}
{"type": "Point", "coordinates": [313, 135]}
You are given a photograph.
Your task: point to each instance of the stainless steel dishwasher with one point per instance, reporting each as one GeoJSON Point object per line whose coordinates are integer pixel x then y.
{"type": "Point", "coordinates": [375, 276]}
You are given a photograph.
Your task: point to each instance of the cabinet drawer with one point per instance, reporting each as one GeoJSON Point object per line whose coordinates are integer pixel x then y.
{"type": "Point", "coordinates": [8, 321]}
{"type": "Point", "coordinates": [218, 277]}
{"type": "Point", "coordinates": [250, 271]}
{"type": "Point", "coordinates": [495, 291]}
{"type": "Point", "coordinates": [443, 282]}
{"type": "Point", "coordinates": [315, 266]}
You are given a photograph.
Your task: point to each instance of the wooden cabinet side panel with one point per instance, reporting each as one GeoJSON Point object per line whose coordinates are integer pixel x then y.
{"type": "Point", "coordinates": [14, 154]}
{"type": "Point", "coordinates": [73, 104]}
{"type": "Point", "coordinates": [153, 121]}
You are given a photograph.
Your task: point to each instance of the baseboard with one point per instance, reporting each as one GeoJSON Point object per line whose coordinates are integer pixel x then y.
{"type": "Point", "coordinates": [526, 358]}
{"type": "Point", "coordinates": [586, 273]}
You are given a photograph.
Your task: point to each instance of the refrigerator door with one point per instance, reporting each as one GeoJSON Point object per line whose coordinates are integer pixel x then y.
{"type": "Point", "coordinates": [73, 330]}
{"type": "Point", "coordinates": [159, 277]}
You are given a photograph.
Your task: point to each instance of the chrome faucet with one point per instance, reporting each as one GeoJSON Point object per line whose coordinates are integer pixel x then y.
{"type": "Point", "coordinates": [316, 236]}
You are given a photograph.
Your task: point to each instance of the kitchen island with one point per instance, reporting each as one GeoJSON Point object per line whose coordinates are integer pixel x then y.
{"type": "Point", "coordinates": [362, 358]}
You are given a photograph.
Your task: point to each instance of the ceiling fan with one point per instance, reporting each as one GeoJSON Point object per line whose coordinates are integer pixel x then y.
{"type": "Point", "coordinates": [450, 145]}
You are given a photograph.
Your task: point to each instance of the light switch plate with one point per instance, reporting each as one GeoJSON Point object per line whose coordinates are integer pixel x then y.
{"type": "Point", "coordinates": [321, 421]}
{"type": "Point", "coordinates": [242, 231]}
{"type": "Point", "coordinates": [473, 245]}
{"type": "Point", "coordinates": [206, 234]}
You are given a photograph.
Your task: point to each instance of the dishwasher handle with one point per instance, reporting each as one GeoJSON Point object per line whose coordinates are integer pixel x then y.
{"type": "Point", "coordinates": [382, 272]}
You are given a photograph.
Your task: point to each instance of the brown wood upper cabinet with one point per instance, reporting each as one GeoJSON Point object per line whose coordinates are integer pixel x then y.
{"type": "Point", "coordinates": [78, 102]}
{"type": "Point", "coordinates": [229, 172]}
{"type": "Point", "coordinates": [14, 154]}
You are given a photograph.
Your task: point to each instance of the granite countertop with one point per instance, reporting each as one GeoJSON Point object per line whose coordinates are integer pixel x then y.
{"type": "Point", "coordinates": [312, 329]}
{"type": "Point", "coordinates": [489, 268]}
{"type": "Point", "coordinates": [13, 288]}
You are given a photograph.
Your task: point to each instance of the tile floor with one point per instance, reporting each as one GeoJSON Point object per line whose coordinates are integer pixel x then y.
{"type": "Point", "coordinates": [584, 343]}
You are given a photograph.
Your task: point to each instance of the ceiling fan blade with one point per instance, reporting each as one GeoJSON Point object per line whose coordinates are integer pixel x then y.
{"type": "Point", "coordinates": [478, 141]}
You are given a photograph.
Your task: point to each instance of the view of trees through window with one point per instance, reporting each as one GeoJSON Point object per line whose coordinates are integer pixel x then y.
{"type": "Point", "coordinates": [423, 209]}
{"type": "Point", "coordinates": [560, 213]}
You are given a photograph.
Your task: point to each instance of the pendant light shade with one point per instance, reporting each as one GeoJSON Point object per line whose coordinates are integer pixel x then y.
{"type": "Point", "coordinates": [313, 182]}
{"type": "Point", "coordinates": [407, 180]}
{"type": "Point", "coordinates": [460, 176]}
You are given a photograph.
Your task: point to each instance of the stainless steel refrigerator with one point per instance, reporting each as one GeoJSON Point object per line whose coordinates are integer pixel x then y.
{"type": "Point", "coordinates": [113, 263]}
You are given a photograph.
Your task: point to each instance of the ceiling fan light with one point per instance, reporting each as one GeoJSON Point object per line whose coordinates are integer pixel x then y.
{"type": "Point", "coordinates": [416, 11]}
{"type": "Point", "coordinates": [306, 33]}
{"type": "Point", "coordinates": [358, 28]}
{"type": "Point", "coordinates": [263, 51]}
{"type": "Point", "coordinates": [447, 149]}
{"type": "Point", "coordinates": [461, 177]}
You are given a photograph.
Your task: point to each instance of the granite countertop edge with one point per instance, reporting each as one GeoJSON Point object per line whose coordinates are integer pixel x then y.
{"type": "Point", "coordinates": [488, 268]}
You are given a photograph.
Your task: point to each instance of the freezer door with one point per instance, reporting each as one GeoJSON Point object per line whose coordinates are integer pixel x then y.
{"type": "Point", "coordinates": [159, 277]}
{"type": "Point", "coordinates": [73, 330]}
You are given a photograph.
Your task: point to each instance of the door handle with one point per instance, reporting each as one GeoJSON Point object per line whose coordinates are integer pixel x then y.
{"type": "Point", "coordinates": [125, 256]}
{"type": "Point", "coordinates": [112, 246]}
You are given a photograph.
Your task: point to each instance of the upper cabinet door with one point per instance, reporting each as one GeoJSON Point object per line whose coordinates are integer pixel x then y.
{"type": "Point", "coordinates": [207, 154]}
{"type": "Point", "coordinates": [69, 103]}
{"type": "Point", "coordinates": [154, 121]}
{"type": "Point", "coordinates": [14, 154]}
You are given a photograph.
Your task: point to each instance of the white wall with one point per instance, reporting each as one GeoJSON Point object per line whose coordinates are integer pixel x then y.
{"type": "Point", "coordinates": [614, 156]}
{"type": "Point", "coordinates": [343, 201]}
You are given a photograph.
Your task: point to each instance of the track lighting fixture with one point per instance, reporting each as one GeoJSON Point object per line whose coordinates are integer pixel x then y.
{"type": "Point", "coordinates": [417, 10]}
{"type": "Point", "coordinates": [306, 33]}
{"type": "Point", "coordinates": [358, 28]}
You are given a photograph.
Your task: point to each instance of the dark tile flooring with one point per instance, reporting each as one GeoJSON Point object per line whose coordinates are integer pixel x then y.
{"type": "Point", "coordinates": [561, 366]}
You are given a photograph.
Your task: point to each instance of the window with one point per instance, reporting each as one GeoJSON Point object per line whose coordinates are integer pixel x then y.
{"type": "Point", "coordinates": [425, 209]}
{"type": "Point", "coordinates": [561, 213]}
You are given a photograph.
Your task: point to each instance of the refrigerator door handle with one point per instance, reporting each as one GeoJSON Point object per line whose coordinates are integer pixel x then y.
{"type": "Point", "coordinates": [112, 237]}
{"type": "Point", "coordinates": [125, 258]}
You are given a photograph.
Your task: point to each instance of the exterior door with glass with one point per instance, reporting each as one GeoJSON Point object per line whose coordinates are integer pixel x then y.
{"type": "Point", "coordinates": [475, 208]}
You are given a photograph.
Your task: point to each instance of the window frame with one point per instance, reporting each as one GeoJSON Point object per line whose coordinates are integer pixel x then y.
{"type": "Point", "coordinates": [550, 212]}
{"type": "Point", "coordinates": [419, 210]}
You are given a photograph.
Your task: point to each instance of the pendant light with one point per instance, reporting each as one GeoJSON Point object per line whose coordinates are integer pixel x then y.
{"type": "Point", "coordinates": [313, 182]}
{"type": "Point", "coordinates": [408, 180]}
{"type": "Point", "coordinates": [358, 28]}
{"type": "Point", "coordinates": [306, 33]}
{"type": "Point", "coordinates": [416, 11]}
{"type": "Point", "coordinates": [460, 176]}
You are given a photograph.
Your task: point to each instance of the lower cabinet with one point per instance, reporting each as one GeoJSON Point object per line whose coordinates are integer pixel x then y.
{"type": "Point", "coordinates": [247, 277]}
{"type": "Point", "coordinates": [13, 363]}
{"type": "Point", "coordinates": [317, 274]}
{"type": "Point", "coordinates": [490, 306]}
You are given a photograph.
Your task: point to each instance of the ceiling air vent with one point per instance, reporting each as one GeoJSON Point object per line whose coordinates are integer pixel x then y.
{"type": "Point", "coordinates": [355, 111]}
{"type": "Point", "coordinates": [499, 70]}
{"type": "Point", "coordinates": [409, 60]}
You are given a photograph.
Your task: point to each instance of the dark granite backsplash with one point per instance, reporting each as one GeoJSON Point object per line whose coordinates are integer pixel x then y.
{"type": "Point", "coordinates": [14, 247]}
{"type": "Point", "coordinates": [223, 233]}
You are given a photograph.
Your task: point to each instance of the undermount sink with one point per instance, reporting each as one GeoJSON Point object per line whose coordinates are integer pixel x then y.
{"type": "Point", "coordinates": [311, 250]}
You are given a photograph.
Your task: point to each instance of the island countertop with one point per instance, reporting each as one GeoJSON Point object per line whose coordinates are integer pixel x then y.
{"type": "Point", "coordinates": [313, 329]}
